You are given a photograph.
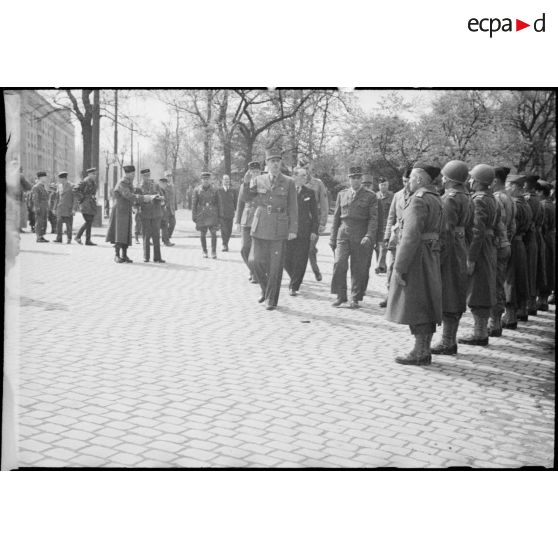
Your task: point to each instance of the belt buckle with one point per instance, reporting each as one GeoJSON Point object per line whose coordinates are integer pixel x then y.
{"type": "Point", "coordinates": [269, 208]}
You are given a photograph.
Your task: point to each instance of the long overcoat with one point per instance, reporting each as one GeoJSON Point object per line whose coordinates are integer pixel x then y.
{"type": "Point", "coordinates": [120, 222]}
{"type": "Point", "coordinates": [205, 207]}
{"type": "Point", "coordinates": [418, 261]}
{"type": "Point", "coordinates": [549, 237]}
{"type": "Point", "coordinates": [457, 216]}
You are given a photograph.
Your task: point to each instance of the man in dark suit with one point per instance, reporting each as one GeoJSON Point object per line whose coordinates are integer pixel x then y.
{"type": "Point", "coordinates": [275, 221]}
{"type": "Point", "coordinates": [228, 198]}
{"type": "Point", "coordinates": [297, 251]}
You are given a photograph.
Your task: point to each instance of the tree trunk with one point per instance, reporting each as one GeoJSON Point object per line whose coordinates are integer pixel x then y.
{"type": "Point", "coordinates": [249, 149]}
{"type": "Point", "coordinates": [227, 149]}
{"type": "Point", "coordinates": [87, 137]}
{"type": "Point", "coordinates": [96, 130]}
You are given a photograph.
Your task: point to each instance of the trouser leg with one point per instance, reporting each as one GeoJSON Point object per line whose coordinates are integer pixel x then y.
{"type": "Point", "coordinates": [171, 225]}
{"type": "Point", "coordinates": [360, 269]}
{"type": "Point", "coordinates": [69, 227]}
{"type": "Point", "coordinates": [203, 239]}
{"type": "Point", "coordinates": [155, 226]}
{"type": "Point", "coordinates": [226, 231]}
{"type": "Point", "coordinates": [276, 263]}
{"type": "Point", "coordinates": [165, 230]}
{"type": "Point", "coordinates": [59, 229]}
{"type": "Point", "coordinates": [383, 254]}
{"type": "Point", "coordinates": [246, 244]}
{"type": "Point", "coordinates": [146, 237]}
{"type": "Point", "coordinates": [213, 242]}
{"type": "Point", "coordinates": [40, 223]}
{"type": "Point", "coordinates": [313, 256]}
{"type": "Point", "coordinates": [259, 261]}
{"type": "Point", "coordinates": [340, 268]}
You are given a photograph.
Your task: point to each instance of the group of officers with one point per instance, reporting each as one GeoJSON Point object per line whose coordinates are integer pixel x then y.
{"type": "Point", "coordinates": [457, 237]}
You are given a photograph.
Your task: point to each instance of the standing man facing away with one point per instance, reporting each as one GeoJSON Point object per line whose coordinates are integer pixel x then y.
{"type": "Point", "coordinates": [64, 207]}
{"type": "Point", "coordinates": [296, 253]}
{"type": "Point", "coordinates": [119, 230]}
{"type": "Point", "coordinates": [228, 199]}
{"type": "Point", "coordinates": [245, 214]}
{"type": "Point", "coordinates": [453, 266]}
{"type": "Point", "coordinates": [275, 221]}
{"type": "Point", "coordinates": [415, 293]}
{"type": "Point", "coordinates": [319, 189]}
{"type": "Point", "coordinates": [86, 191]}
{"type": "Point", "coordinates": [39, 196]}
{"type": "Point", "coordinates": [353, 235]}
{"type": "Point", "coordinates": [482, 257]}
{"type": "Point", "coordinates": [205, 213]}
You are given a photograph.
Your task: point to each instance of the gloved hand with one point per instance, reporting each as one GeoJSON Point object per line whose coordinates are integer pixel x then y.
{"type": "Point", "coordinates": [365, 241]}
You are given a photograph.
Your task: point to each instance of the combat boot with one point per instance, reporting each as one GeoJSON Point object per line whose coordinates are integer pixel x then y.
{"type": "Point", "coordinates": [542, 304]}
{"type": "Point", "coordinates": [551, 299]}
{"type": "Point", "coordinates": [532, 306]}
{"type": "Point", "coordinates": [446, 345]}
{"type": "Point", "coordinates": [417, 354]}
{"type": "Point", "coordinates": [495, 324]}
{"type": "Point", "coordinates": [522, 313]}
{"type": "Point", "coordinates": [480, 332]}
{"type": "Point", "coordinates": [509, 320]}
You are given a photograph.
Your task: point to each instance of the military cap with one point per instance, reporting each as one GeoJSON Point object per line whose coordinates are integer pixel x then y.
{"type": "Point", "coordinates": [515, 179]}
{"type": "Point", "coordinates": [431, 171]}
{"type": "Point", "coordinates": [531, 181]}
{"type": "Point", "coordinates": [129, 168]}
{"type": "Point", "coordinates": [163, 179]}
{"type": "Point", "coordinates": [145, 171]}
{"type": "Point", "coordinates": [92, 169]}
{"type": "Point", "coordinates": [456, 171]}
{"type": "Point", "coordinates": [501, 173]}
{"type": "Point", "coordinates": [355, 171]}
{"type": "Point", "coordinates": [367, 179]}
{"type": "Point", "coordinates": [62, 175]}
{"type": "Point", "coordinates": [544, 187]}
{"type": "Point", "coordinates": [254, 165]}
{"type": "Point", "coordinates": [483, 174]}
{"type": "Point", "coordinates": [273, 153]}
{"type": "Point", "coordinates": [205, 174]}
{"type": "Point", "coordinates": [41, 173]}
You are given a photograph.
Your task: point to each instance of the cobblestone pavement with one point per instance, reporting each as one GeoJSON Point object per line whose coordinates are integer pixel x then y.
{"type": "Point", "coordinates": [177, 365]}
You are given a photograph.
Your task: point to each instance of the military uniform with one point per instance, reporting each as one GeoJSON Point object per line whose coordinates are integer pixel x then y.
{"type": "Point", "coordinates": [51, 189]}
{"type": "Point", "coordinates": [151, 213]}
{"type": "Point", "coordinates": [384, 205]}
{"type": "Point", "coordinates": [379, 233]}
{"type": "Point", "coordinates": [296, 253]}
{"type": "Point", "coordinates": [319, 189]}
{"type": "Point", "coordinates": [228, 200]}
{"type": "Point", "coordinates": [534, 244]}
{"type": "Point", "coordinates": [205, 213]}
{"type": "Point", "coordinates": [275, 217]}
{"type": "Point", "coordinates": [119, 230]}
{"type": "Point", "coordinates": [168, 222]}
{"type": "Point", "coordinates": [64, 207]}
{"type": "Point", "coordinates": [39, 196]}
{"type": "Point", "coordinates": [548, 231]}
{"type": "Point", "coordinates": [355, 218]}
{"type": "Point", "coordinates": [244, 216]}
{"type": "Point", "coordinates": [24, 190]}
{"type": "Point", "coordinates": [86, 192]}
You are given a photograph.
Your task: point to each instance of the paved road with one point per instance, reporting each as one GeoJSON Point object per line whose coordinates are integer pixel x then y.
{"type": "Point", "coordinates": [177, 365]}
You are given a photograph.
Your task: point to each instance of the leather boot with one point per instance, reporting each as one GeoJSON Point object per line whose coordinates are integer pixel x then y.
{"type": "Point", "coordinates": [542, 304]}
{"type": "Point", "coordinates": [522, 315]}
{"type": "Point", "coordinates": [446, 345]}
{"type": "Point", "coordinates": [551, 299]}
{"type": "Point", "coordinates": [480, 332]}
{"type": "Point", "coordinates": [532, 306]}
{"type": "Point", "coordinates": [214, 247]}
{"type": "Point", "coordinates": [417, 355]}
{"type": "Point", "coordinates": [204, 246]}
{"type": "Point", "coordinates": [426, 350]}
{"type": "Point", "coordinates": [495, 324]}
{"type": "Point", "coordinates": [509, 320]}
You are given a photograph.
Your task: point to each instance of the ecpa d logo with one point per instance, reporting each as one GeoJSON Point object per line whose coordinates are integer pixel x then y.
{"type": "Point", "coordinates": [493, 25]}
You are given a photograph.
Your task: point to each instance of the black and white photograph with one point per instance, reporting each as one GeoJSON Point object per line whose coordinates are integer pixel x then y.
{"type": "Point", "coordinates": [280, 278]}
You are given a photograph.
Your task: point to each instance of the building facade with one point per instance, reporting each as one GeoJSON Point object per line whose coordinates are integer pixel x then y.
{"type": "Point", "coordinates": [47, 136]}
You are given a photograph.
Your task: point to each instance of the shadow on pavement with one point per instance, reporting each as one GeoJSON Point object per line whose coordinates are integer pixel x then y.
{"type": "Point", "coordinates": [45, 252]}
{"type": "Point", "coordinates": [25, 301]}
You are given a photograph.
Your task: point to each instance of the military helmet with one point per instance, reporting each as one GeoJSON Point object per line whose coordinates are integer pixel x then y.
{"type": "Point", "coordinates": [484, 174]}
{"type": "Point", "coordinates": [456, 171]}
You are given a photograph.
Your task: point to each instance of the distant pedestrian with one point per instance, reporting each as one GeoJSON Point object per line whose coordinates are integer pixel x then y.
{"type": "Point", "coordinates": [168, 221]}
{"type": "Point", "coordinates": [353, 235]}
{"type": "Point", "coordinates": [86, 192]}
{"type": "Point", "coordinates": [385, 197]}
{"type": "Point", "coordinates": [228, 199]}
{"type": "Point", "coordinates": [23, 192]}
{"type": "Point", "coordinates": [275, 222]}
{"type": "Point", "coordinates": [415, 292]}
{"type": "Point", "coordinates": [205, 213]}
{"type": "Point", "coordinates": [244, 214]}
{"type": "Point", "coordinates": [297, 249]}
{"type": "Point", "coordinates": [39, 196]}
{"type": "Point", "coordinates": [64, 207]}
{"type": "Point", "coordinates": [119, 230]}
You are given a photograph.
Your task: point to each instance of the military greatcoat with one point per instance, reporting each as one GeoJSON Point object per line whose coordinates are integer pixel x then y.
{"type": "Point", "coordinates": [120, 223]}
{"type": "Point", "coordinates": [418, 261]}
{"type": "Point", "coordinates": [205, 207]}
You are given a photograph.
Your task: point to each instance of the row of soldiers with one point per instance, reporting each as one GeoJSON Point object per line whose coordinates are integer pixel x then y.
{"type": "Point", "coordinates": [492, 250]}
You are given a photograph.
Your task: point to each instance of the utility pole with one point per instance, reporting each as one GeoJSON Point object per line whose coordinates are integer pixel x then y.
{"type": "Point", "coordinates": [96, 125]}
{"type": "Point", "coordinates": [115, 152]}
{"type": "Point", "coordinates": [132, 144]}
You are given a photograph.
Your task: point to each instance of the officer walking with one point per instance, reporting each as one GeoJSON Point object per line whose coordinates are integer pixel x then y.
{"type": "Point", "coordinates": [319, 189]}
{"type": "Point", "coordinates": [228, 199]}
{"type": "Point", "coordinates": [64, 207]}
{"type": "Point", "coordinates": [275, 221]}
{"type": "Point", "coordinates": [516, 285]}
{"type": "Point", "coordinates": [415, 293]}
{"type": "Point", "coordinates": [486, 235]}
{"type": "Point", "coordinates": [86, 192]}
{"type": "Point", "coordinates": [507, 215]}
{"type": "Point", "coordinates": [353, 235]}
{"type": "Point", "coordinates": [244, 214]}
{"type": "Point", "coordinates": [296, 252]}
{"type": "Point", "coordinates": [151, 213]}
{"type": "Point", "coordinates": [39, 196]}
{"type": "Point", "coordinates": [119, 230]}
{"type": "Point", "coordinates": [205, 213]}
{"type": "Point", "coordinates": [457, 217]}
